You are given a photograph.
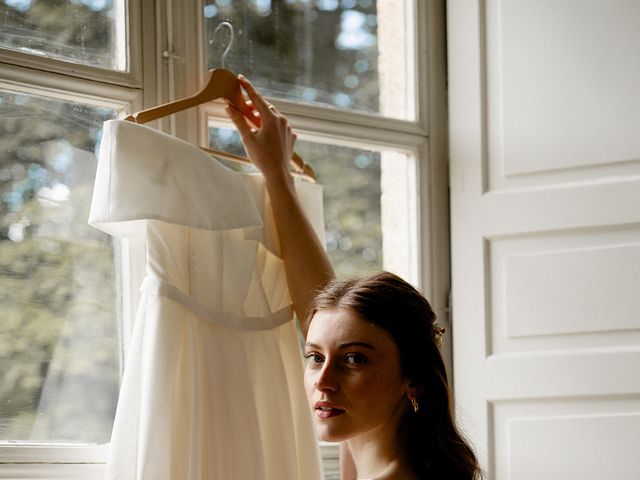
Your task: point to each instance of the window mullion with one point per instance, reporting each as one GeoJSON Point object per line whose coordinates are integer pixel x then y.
{"type": "Point", "coordinates": [27, 80]}
{"type": "Point", "coordinates": [125, 79]}
{"type": "Point", "coordinates": [52, 471]}
{"type": "Point", "coordinates": [52, 453]}
{"type": "Point", "coordinates": [389, 132]}
{"type": "Point", "coordinates": [333, 115]}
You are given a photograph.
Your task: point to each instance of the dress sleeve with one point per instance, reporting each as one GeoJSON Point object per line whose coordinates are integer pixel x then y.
{"type": "Point", "coordinates": [144, 174]}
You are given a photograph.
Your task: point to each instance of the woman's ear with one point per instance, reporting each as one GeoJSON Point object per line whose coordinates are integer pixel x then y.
{"type": "Point", "coordinates": [414, 389]}
{"type": "Point", "coordinates": [413, 392]}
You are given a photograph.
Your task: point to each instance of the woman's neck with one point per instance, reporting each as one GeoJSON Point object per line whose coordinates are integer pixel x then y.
{"type": "Point", "coordinates": [376, 456]}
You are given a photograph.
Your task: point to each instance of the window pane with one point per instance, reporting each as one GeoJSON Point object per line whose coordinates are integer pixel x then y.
{"type": "Point", "coordinates": [369, 204]}
{"type": "Point", "coordinates": [349, 54]}
{"type": "Point", "coordinates": [350, 180]}
{"type": "Point", "coordinates": [59, 364]}
{"type": "Point", "coordinates": [91, 32]}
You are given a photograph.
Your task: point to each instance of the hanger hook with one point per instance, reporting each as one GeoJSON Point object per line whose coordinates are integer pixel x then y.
{"type": "Point", "coordinates": [229, 45]}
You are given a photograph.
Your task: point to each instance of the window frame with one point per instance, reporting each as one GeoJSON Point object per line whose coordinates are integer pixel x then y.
{"type": "Point", "coordinates": [174, 66]}
{"type": "Point", "coordinates": [424, 138]}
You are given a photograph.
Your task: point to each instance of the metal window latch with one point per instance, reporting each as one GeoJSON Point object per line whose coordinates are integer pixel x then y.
{"type": "Point", "coordinates": [168, 55]}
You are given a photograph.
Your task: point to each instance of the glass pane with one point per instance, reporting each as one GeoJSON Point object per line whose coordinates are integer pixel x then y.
{"type": "Point", "coordinates": [59, 360]}
{"type": "Point", "coordinates": [369, 204]}
{"type": "Point", "coordinates": [349, 54]}
{"type": "Point", "coordinates": [91, 32]}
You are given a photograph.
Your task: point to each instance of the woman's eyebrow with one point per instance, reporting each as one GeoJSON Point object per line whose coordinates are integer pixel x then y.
{"type": "Point", "coordinates": [344, 345]}
{"type": "Point", "coordinates": [357, 344]}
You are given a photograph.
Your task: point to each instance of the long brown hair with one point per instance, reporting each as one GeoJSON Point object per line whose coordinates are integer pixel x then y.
{"type": "Point", "coordinates": [435, 447]}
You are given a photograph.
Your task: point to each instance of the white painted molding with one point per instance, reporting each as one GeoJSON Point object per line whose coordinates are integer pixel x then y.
{"type": "Point", "coordinates": [26, 80]}
{"type": "Point", "coordinates": [52, 471]}
{"type": "Point", "coordinates": [14, 452]}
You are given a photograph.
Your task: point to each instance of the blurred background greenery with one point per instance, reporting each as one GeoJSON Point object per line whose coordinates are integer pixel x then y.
{"type": "Point", "coordinates": [59, 354]}
{"type": "Point", "coordinates": [312, 51]}
{"type": "Point", "coordinates": [59, 365]}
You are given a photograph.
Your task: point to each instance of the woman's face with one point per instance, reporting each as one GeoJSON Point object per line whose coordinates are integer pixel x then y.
{"type": "Point", "coordinates": [353, 377]}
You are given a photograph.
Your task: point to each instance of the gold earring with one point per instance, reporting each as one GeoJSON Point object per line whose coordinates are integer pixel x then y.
{"type": "Point", "coordinates": [414, 403]}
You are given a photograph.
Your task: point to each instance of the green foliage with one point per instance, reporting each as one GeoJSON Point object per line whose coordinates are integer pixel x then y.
{"type": "Point", "coordinates": [351, 191]}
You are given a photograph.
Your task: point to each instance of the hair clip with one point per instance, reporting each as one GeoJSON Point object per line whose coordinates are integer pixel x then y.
{"type": "Point", "coordinates": [438, 334]}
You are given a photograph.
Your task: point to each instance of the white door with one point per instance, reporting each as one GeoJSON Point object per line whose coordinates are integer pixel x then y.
{"type": "Point", "coordinates": [544, 100]}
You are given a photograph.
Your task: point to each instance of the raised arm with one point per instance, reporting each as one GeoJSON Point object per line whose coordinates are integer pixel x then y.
{"type": "Point", "coordinates": [270, 148]}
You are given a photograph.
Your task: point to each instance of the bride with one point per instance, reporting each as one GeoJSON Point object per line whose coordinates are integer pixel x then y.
{"type": "Point", "coordinates": [374, 376]}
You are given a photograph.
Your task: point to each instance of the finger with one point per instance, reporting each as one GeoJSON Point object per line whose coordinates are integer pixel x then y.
{"type": "Point", "coordinates": [249, 113]}
{"type": "Point", "coordinates": [252, 114]}
{"type": "Point", "coordinates": [240, 102]}
{"type": "Point", "coordinates": [258, 101]}
{"type": "Point", "coordinates": [249, 106]}
{"type": "Point", "coordinates": [239, 121]}
{"type": "Point", "coordinates": [254, 117]}
{"type": "Point", "coordinates": [246, 108]}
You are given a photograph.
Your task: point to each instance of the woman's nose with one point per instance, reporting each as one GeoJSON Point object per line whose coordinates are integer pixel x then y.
{"type": "Point", "coordinates": [327, 378]}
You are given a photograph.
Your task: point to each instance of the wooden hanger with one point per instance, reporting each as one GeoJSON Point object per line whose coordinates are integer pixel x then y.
{"type": "Point", "coordinates": [222, 84]}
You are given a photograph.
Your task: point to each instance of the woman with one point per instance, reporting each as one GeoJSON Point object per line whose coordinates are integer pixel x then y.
{"type": "Point", "coordinates": [374, 376]}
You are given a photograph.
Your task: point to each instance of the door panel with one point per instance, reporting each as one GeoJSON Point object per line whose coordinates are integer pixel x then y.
{"type": "Point", "coordinates": [545, 215]}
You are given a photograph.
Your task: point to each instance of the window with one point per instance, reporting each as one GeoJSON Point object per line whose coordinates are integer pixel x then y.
{"type": "Point", "coordinates": [66, 67]}
{"type": "Point", "coordinates": [90, 32]}
{"type": "Point", "coordinates": [345, 73]}
{"type": "Point", "coordinates": [335, 57]}
{"type": "Point", "coordinates": [350, 74]}
{"type": "Point", "coordinates": [347, 54]}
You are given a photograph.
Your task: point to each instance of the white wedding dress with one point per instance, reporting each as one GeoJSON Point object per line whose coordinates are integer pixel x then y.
{"type": "Point", "coordinates": [212, 385]}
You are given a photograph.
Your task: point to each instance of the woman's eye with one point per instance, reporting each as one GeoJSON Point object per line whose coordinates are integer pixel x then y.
{"type": "Point", "coordinates": [355, 359]}
{"type": "Point", "coordinates": [313, 358]}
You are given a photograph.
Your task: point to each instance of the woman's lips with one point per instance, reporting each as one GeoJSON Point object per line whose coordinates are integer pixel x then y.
{"type": "Point", "coordinates": [327, 410]}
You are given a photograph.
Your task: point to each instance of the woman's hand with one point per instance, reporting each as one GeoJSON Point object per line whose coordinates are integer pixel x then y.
{"type": "Point", "coordinates": [269, 146]}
